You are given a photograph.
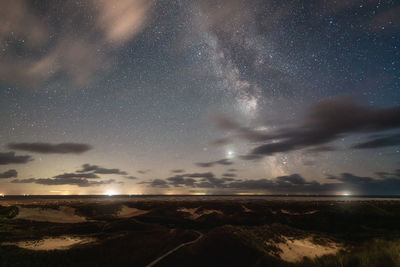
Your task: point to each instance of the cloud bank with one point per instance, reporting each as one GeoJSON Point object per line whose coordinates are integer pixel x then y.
{"type": "Point", "coordinates": [48, 148]}
{"type": "Point", "coordinates": [11, 158]}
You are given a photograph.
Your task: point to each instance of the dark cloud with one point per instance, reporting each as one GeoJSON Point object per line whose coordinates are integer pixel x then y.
{"type": "Point", "coordinates": [251, 157]}
{"type": "Point", "coordinates": [131, 177]}
{"type": "Point", "coordinates": [346, 182]}
{"type": "Point", "coordinates": [143, 171]}
{"type": "Point", "coordinates": [48, 148]}
{"type": "Point", "coordinates": [327, 121]}
{"type": "Point", "coordinates": [100, 170]}
{"type": "Point", "coordinates": [178, 181]}
{"type": "Point", "coordinates": [385, 175]}
{"type": "Point", "coordinates": [232, 170]}
{"type": "Point", "coordinates": [11, 158]}
{"type": "Point", "coordinates": [159, 183]}
{"type": "Point", "coordinates": [200, 175]}
{"type": "Point", "coordinates": [387, 183]}
{"type": "Point", "coordinates": [24, 181]}
{"type": "Point", "coordinates": [228, 174]}
{"type": "Point", "coordinates": [352, 179]}
{"type": "Point", "coordinates": [321, 149]}
{"type": "Point", "coordinates": [213, 163]}
{"type": "Point", "coordinates": [292, 179]}
{"type": "Point", "coordinates": [9, 174]}
{"type": "Point", "coordinates": [81, 182]}
{"type": "Point", "coordinates": [77, 175]}
{"type": "Point", "coordinates": [178, 171]}
{"type": "Point", "coordinates": [384, 141]}
{"type": "Point", "coordinates": [195, 180]}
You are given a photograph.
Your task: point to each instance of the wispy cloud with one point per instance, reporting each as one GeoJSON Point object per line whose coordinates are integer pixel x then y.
{"type": "Point", "coordinates": [77, 50]}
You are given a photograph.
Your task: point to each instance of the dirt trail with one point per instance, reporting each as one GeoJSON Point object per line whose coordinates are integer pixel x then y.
{"type": "Point", "coordinates": [175, 249]}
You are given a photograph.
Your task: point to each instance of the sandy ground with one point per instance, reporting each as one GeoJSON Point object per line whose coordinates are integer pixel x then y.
{"type": "Point", "coordinates": [298, 213]}
{"type": "Point", "coordinates": [246, 209]}
{"type": "Point", "coordinates": [194, 214]}
{"type": "Point", "coordinates": [63, 215]}
{"type": "Point", "coordinates": [59, 243]}
{"type": "Point", "coordinates": [127, 212]}
{"type": "Point", "coordinates": [295, 250]}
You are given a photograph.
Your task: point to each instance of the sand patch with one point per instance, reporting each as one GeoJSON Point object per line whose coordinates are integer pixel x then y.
{"type": "Point", "coordinates": [298, 213]}
{"type": "Point", "coordinates": [127, 212]}
{"type": "Point", "coordinates": [195, 213]}
{"type": "Point", "coordinates": [51, 243]}
{"type": "Point", "coordinates": [63, 215]}
{"type": "Point", "coordinates": [295, 250]}
{"type": "Point", "coordinates": [246, 209]}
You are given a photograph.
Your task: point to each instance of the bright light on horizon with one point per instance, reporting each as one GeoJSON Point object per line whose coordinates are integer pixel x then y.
{"type": "Point", "coordinates": [111, 193]}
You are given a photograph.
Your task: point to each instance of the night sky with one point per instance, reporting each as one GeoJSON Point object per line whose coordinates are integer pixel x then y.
{"type": "Point", "coordinates": [199, 97]}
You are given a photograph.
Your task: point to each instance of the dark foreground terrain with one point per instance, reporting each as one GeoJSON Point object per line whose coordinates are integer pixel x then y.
{"type": "Point", "coordinates": [199, 231]}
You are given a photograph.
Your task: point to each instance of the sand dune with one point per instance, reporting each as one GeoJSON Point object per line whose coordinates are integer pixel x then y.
{"type": "Point", "coordinates": [195, 214]}
{"type": "Point", "coordinates": [298, 213]}
{"type": "Point", "coordinates": [294, 250]}
{"type": "Point", "coordinates": [127, 212]}
{"type": "Point", "coordinates": [62, 215]}
{"type": "Point", "coordinates": [59, 243]}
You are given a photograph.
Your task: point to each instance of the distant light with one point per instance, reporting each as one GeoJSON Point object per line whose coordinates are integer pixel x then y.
{"type": "Point", "coordinates": [230, 154]}
{"type": "Point", "coordinates": [2, 195]}
{"type": "Point", "coordinates": [110, 193]}
{"type": "Point", "coordinates": [346, 193]}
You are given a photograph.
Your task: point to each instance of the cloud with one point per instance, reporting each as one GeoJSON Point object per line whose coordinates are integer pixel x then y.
{"type": "Point", "coordinates": [326, 122]}
{"type": "Point", "coordinates": [81, 182]}
{"type": "Point", "coordinates": [195, 180]}
{"type": "Point", "coordinates": [385, 175]}
{"type": "Point", "coordinates": [81, 47]}
{"type": "Point", "coordinates": [232, 170]}
{"type": "Point", "coordinates": [159, 183]}
{"type": "Point", "coordinates": [212, 163]}
{"type": "Point", "coordinates": [77, 175]}
{"type": "Point", "coordinates": [178, 181]}
{"type": "Point", "coordinates": [346, 182]}
{"type": "Point", "coordinates": [48, 148]}
{"type": "Point", "coordinates": [11, 158]}
{"type": "Point", "coordinates": [384, 141]}
{"type": "Point", "coordinates": [323, 148]}
{"type": "Point", "coordinates": [178, 171]}
{"type": "Point", "coordinates": [121, 21]}
{"type": "Point", "coordinates": [100, 170]}
{"type": "Point", "coordinates": [291, 179]}
{"type": "Point", "coordinates": [8, 174]}
{"type": "Point", "coordinates": [352, 179]}
{"type": "Point", "coordinates": [387, 183]}
{"type": "Point", "coordinates": [130, 177]}
{"type": "Point", "coordinates": [229, 174]}
{"type": "Point", "coordinates": [251, 157]}
{"type": "Point", "coordinates": [143, 171]}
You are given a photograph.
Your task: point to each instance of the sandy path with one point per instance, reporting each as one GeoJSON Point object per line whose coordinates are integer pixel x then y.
{"type": "Point", "coordinates": [175, 249]}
